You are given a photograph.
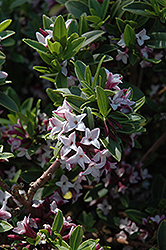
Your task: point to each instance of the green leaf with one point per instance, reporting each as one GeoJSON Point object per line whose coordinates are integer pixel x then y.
{"type": "Point", "coordinates": [61, 81]}
{"type": "Point", "coordinates": [161, 235]}
{"type": "Point", "coordinates": [17, 175]}
{"type": "Point", "coordinates": [121, 24]}
{"type": "Point", "coordinates": [162, 2]}
{"type": "Point", "coordinates": [36, 45]}
{"type": "Point", "coordinates": [88, 75]}
{"type": "Point", "coordinates": [135, 215]}
{"type": "Point", "coordinates": [55, 48]}
{"type": "Point", "coordinates": [57, 224]}
{"type": "Point", "coordinates": [47, 58]}
{"type": "Point", "coordinates": [83, 24]}
{"type": "Point", "coordinates": [13, 95]}
{"type": "Point", "coordinates": [91, 36]}
{"type": "Point", "coordinates": [30, 128]}
{"type": "Point", "coordinates": [96, 6]}
{"type": "Point", "coordinates": [73, 48]}
{"type": "Point", "coordinates": [76, 237]}
{"type": "Point", "coordinates": [77, 8]}
{"type": "Point", "coordinates": [5, 226]}
{"type": "Point", "coordinates": [31, 175]}
{"type": "Point", "coordinates": [80, 68]}
{"type": "Point", "coordinates": [46, 22]}
{"type": "Point", "coordinates": [17, 3]}
{"type": "Point", "coordinates": [97, 192]}
{"type": "Point", "coordinates": [129, 37]}
{"type": "Point", "coordinates": [5, 155]}
{"type": "Point", "coordinates": [88, 245]}
{"type": "Point", "coordinates": [60, 31]}
{"type": "Point", "coordinates": [104, 8]}
{"type": "Point", "coordinates": [93, 19]}
{"type": "Point", "coordinates": [138, 8]}
{"type": "Point", "coordinates": [97, 72]}
{"type": "Point", "coordinates": [113, 147]}
{"type": "Point", "coordinates": [157, 40]}
{"type": "Point", "coordinates": [138, 104]}
{"type": "Point", "coordinates": [7, 102]}
{"type": "Point", "coordinates": [26, 105]}
{"type": "Point", "coordinates": [6, 33]}
{"type": "Point", "coordinates": [5, 24]}
{"type": "Point", "coordinates": [102, 101]}
{"type": "Point", "coordinates": [54, 96]}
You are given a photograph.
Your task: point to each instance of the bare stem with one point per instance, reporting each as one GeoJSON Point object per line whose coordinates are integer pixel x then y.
{"type": "Point", "coordinates": [34, 186]}
{"type": "Point", "coordinates": [5, 186]}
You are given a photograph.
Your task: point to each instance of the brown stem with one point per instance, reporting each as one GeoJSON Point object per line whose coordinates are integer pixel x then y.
{"type": "Point", "coordinates": [154, 147]}
{"type": "Point", "coordinates": [5, 186]}
{"type": "Point", "coordinates": [34, 186]}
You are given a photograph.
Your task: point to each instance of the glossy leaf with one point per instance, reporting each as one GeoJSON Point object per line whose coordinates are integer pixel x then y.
{"type": "Point", "coordinates": [91, 36]}
{"type": "Point", "coordinates": [60, 31]}
{"type": "Point", "coordinates": [76, 237]}
{"type": "Point", "coordinates": [57, 224]}
{"type": "Point", "coordinates": [102, 101]}
{"type": "Point", "coordinates": [77, 8]}
{"type": "Point", "coordinates": [36, 45]}
{"type": "Point", "coordinates": [161, 235]}
{"type": "Point", "coordinates": [138, 8]}
{"type": "Point", "coordinates": [46, 22]}
{"type": "Point", "coordinates": [135, 215]}
{"type": "Point", "coordinates": [73, 48]}
{"type": "Point", "coordinates": [55, 48]}
{"type": "Point", "coordinates": [97, 192]}
{"type": "Point", "coordinates": [157, 40]}
{"type": "Point", "coordinates": [6, 33]}
{"type": "Point", "coordinates": [129, 37]}
{"type": "Point", "coordinates": [5, 226]}
{"type": "Point", "coordinates": [7, 102]}
{"type": "Point", "coordinates": [5, 24]}
{"type": "Point", "coordinates": [113, 147]}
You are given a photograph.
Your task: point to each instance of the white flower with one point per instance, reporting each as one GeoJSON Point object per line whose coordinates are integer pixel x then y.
{"type": "Point", "coordinates": [43, 39]}
{"type": "Point", "coordinates": [122, 56]}
{"type": "Point", "coordinates": [74, 122]}
{"type": "Point", "coordinates": [141, 37]}
{"type": "Point", "coordinates": [69, 143]}
{"type": "Point", "coordinates": [91, 137]}
{"type": "Point", "coordinates": [102, 156]}
{"type": "Point", "coordinates": [64, 184]}
{"type": "Point", "coordinates": [23, 152]}
{"type": "Point", "coordinates": [104, 207]}
{"type": "Point", "coordinates": [56, 126]}
{"type": "Point", "coordinates": [80, 158]}
{"type": "Point", "coordinates": [11, 172]}
{"type": "Point", "coordinates": [121, 42]}
{"type": "Point", "coordinates": [3, 75]}
{"type": "Point", "coordinates": [93, 169]}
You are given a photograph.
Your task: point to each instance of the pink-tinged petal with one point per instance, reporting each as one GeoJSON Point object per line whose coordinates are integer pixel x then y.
{"type": "Point", "coordinates": [74, 122]}
{"type": "Point", "coordinates": [40, 38]}
{"type": "Point", "coordinates": [3, 75]}
{"type": "Point", "coordinates": [79, 158]}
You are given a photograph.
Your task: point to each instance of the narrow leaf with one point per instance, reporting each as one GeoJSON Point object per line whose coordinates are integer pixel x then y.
{"type": "Point", "coordinates": [76, 237]}
{"type": "Point", "coordinates": [7, 102]}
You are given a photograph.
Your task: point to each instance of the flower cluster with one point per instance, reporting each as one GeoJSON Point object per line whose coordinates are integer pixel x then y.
{"type": "Point", "coordinates": [144, 51]}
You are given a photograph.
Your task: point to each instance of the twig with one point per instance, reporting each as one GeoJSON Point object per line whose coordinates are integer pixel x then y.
{"type": "Point", "coordinates": [5, 186]}
{"type": "Point", "coordinates": [154, 147]}
{"type": "Point", "coordinates": [34, 186]}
